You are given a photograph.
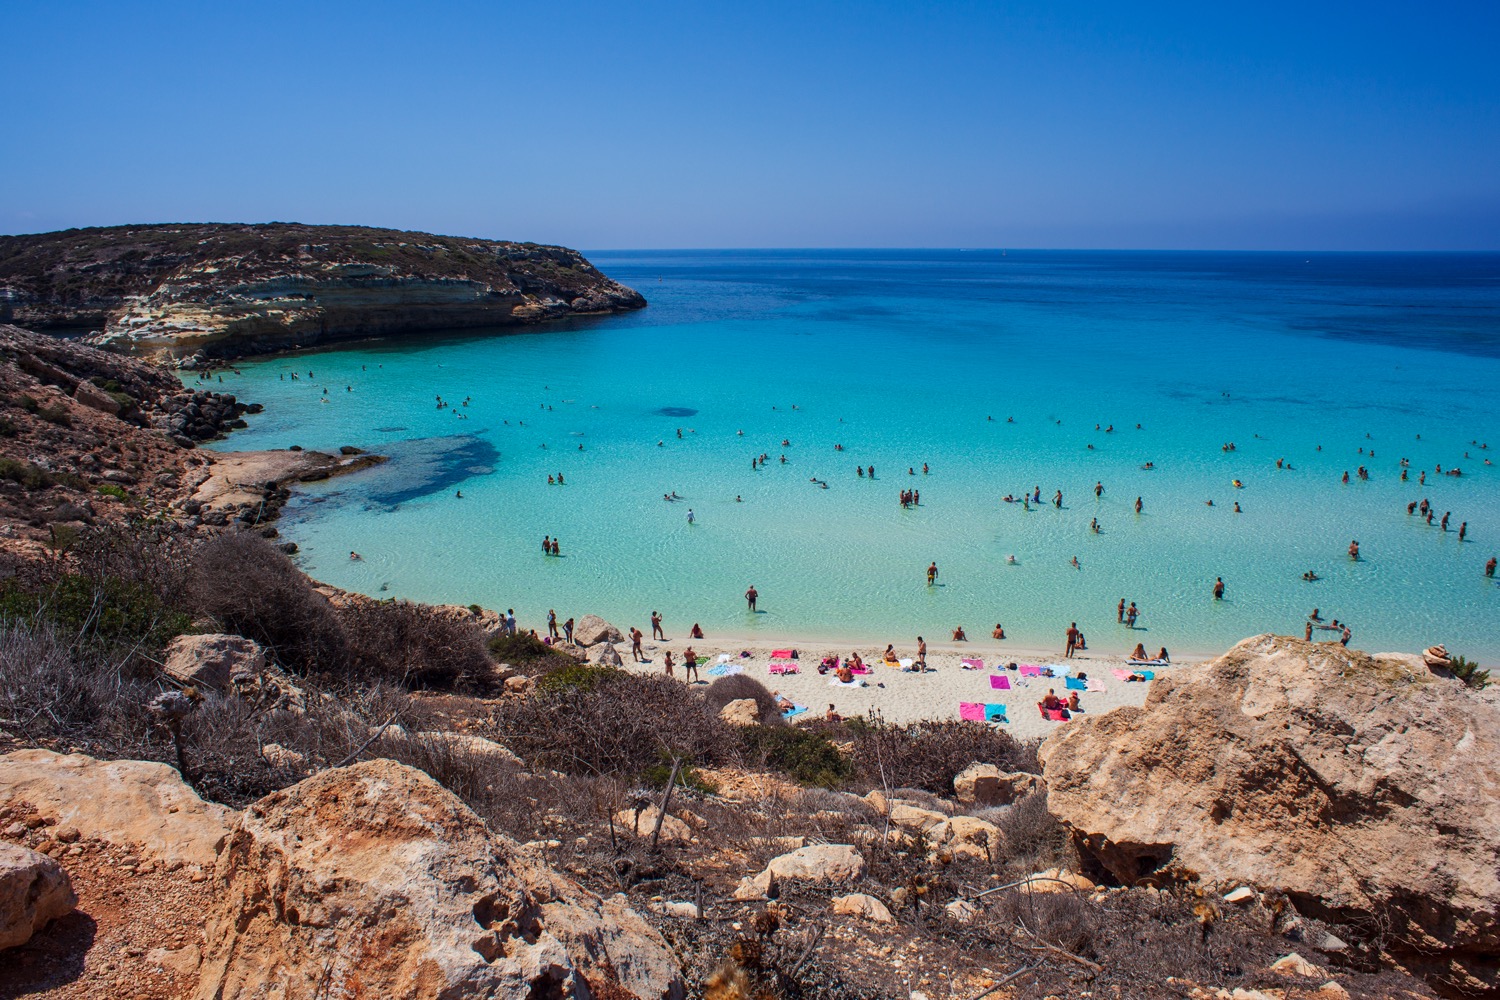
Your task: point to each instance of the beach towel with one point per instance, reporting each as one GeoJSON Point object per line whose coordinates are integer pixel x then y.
{"type": "Point", "coordinates": [783, 667]}
{"type": "Point", "coordinates": [836, 683]}
{"type": "Point", "coordinates": [1055, 715]}
{"type": "Point", "coordinates": [994, 713]}
{"type": "Point", "coordinates": [725, 670]}
{"type": "Point", "coordinates": [1146, 663]}
{"type": "Point", "coordinates": [1059, 669]}
{"type": "Point", "coordinates": [1149, 675]}
{"type": "Point", "coordinates": [723, 658]}
{"type": "Point", "coordinates": [794, 711]}
{"type": "Point", "coordinates": [1030, 670]}
{"type": "Point", "coordinates": [784, 654]}
{"type": "Point", "coordinates": [861, 670]}
{"type": "Point", "coordinates": [906, 664]}
{"type": "Point", "coordinates": [1121, 675]}
{"type": "Point", "coordinates": [1074, 684]}
{"type": "Point", "coordinates": [1095, 687]}
{"type": "Point", "coordinates": [970, 663]}
{"type": "Point", "coordinates": [971, 711]}
{"type": "Point", "coordinates": [1000, 683]}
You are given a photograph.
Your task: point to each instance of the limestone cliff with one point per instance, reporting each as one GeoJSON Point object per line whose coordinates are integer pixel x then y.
{"type": "Point", "coordinates": [242, 289]}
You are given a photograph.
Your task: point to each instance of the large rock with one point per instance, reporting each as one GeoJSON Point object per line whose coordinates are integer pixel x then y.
{"type": "Point", "coordinates": [987, 785]}
{"type": "Point", "coordinates": [605, 655]}
{"type": "Point", "coordinates": [819, 863]}
{"type": "Point", "coordinates": [968, 836]}
{"type": "Point", "coordinates": [641, 823]}
{"type": "Point", "coordinates": [1365, 787]}
{"type": "Point", "coordinates": [858, 904]}
{"type": "Point", "coordinates": [592, 629]}
{"type": "Point", "coordinates": [378, 881]}
{"type": "Point", "coordinates": [33, 890]}
{"type": "Point", "coordinates": [741, 712]}
{"type": "Point", "coordinates": [211, 660]}
{"type": "Point", "coordinates": [133, 803]}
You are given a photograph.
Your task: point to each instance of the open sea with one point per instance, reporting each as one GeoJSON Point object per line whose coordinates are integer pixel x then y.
{"type": "Point", "coordinates": [1002, 372]}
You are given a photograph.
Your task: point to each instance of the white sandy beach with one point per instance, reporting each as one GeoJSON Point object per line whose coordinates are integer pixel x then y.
{"type": "Point", "coordinates": [900, 696]}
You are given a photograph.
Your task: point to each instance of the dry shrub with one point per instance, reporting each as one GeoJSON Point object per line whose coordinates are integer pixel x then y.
{"type": "Point", "coordinates": [1033, 836]}
{"type": "Point", "coordinates": [408, 644]}
{"type": "Point", "coordinates": [617, 723]}
{"type": "Point", "coordinates": [929, 755]}
{"type": "Point", "coordinates": [739, 686]}
{"type": "Point", "coordinates": [250, 588]}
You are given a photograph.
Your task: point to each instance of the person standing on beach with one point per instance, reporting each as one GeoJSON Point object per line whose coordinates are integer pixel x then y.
{"type": "Point", "coordinates": [635, 645]}
{"type": "Point", "coordinates": [568, 629]}
{"type": "Point", "coordinates": [1218, 588]}
{"type": "Point", "coordinates": [1308, 632]}
{"type": "Point", "coordinates": [510, 620]}
{"type": "Point", "coordinates": [750, 596]}
{"type": "Point", "coordinates": [932, 574]}
{"type": "Point", "coordinates": [1072, 640]}
{"type": "Point", "coordinates": [690, 665]}
{"type": "Point", "coordinates": [921, 663]}
{"type": "Point", "coordinates": [667, 662]}
{"type": "Point", "coordinates": [656, 632]}
{"type": "Point", "coordinates": [552, 622]}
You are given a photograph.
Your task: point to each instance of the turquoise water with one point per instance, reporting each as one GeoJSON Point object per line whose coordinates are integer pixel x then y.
{"type": "Point", "coordinates": [903, 358]}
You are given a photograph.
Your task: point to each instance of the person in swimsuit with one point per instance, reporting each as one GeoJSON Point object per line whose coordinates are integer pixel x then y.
{"type": "Point", "coordinates": [656, 632]}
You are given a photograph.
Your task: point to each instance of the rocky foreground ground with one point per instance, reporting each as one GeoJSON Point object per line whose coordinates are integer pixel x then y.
{"type": "Point", "coordinates": [1288, 820]}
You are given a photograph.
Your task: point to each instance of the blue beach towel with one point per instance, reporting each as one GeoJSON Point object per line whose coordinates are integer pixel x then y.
{"type": "Point", "coordinates": [794, 711]}
{"type": "Point", "coordinates": [995, 713]}
{"type": "Point", "coordinates": [1059, 669]}
{"type": "Point", "coordinates": [1074, 684]}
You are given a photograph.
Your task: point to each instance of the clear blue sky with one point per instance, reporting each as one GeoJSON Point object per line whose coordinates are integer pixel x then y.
{"type": "Point", "coordinates": [698, 124]}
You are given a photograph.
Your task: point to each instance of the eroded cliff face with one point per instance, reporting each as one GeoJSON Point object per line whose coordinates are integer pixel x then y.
{"type": "Point", "coordinates": [240, 289]}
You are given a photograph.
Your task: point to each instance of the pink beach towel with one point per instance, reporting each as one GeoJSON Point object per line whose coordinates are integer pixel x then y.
{"type": "Point", "coordinates": [783, 667]}
{"type": "Point", "coordinates": [861, 670]}
{"type": "Point", "coordinates": [972, 664]}
{"type": "Point", "coordinates": [1030, 670]}
{"type": "Point", "coordinates": [1121, 675]}
{"type": "Point", "coordinates": [972, 711]}
{"type": "Point", "coordinates": [1056, 715]}
{"type": "Point", "coordinates": [1000, 683]}
{"type": "Point", "coordinates": [1096, 687]}
{"type": "Point", "coordinates": [783, 654]}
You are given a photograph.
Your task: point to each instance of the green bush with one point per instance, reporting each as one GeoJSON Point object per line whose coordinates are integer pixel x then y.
{"type": "Point", "coordinates": [575, 676]}
{"type": "Point", "coordinates": [56, 415]}
{"type": "Point", "coordinates": [1469, 672]}
{"type": "Point", "coordinates": [804, 754]}
{"type": "Point", "coordinates": [118, 492]}
{"type": "Point", "coordinates": [525, 651]}
{"type": "Point", "coordinates": [108, 611]}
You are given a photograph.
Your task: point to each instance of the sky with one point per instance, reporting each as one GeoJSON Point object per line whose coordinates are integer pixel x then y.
{"type": "Point", "coordinates": [801, 124]}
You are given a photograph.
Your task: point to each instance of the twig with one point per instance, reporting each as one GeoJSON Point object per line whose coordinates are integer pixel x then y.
{"type": "Point", "coordinates": [1055, 950]}
{"type": "Point", "coordinates": [666, 799]}
{"type": "Point", "coordinates": [1006, 981]}
{"type": "Point", "coordinates": [807, 952]}
{"type": "Point", "coordinates": [366, 745]}
{"type": "Point", "coordinates": [1027, 881]}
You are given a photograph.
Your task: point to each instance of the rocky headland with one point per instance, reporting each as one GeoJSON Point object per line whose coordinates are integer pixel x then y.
{"type": "Point", "coordinates": [234, 290]}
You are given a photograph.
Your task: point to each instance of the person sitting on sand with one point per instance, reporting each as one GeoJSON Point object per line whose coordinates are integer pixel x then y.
{"type": "Point", "coordinates": [999, 632]}
{"type": "Point", "coordinates": [1073, 702]}
{"type": "Point", "coordinates": [831, 715]}
{"type": "Point", "coordinates": [1140, 652]}
{"type": "Point", "coordinates": [1051, 702]}
{"type": "Point", "coordinates": [958, 635]}
{"type": "Point", "coordinates": [844, 674]}
{"type": "Point", "coordinates": [1161, 654]}
{"type": "Point", "coordinates": [696, 633]}
{"type": "Point", "coordinates": [890, 659]}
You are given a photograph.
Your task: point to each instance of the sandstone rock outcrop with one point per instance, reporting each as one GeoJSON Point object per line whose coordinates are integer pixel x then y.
{"type": "Point", "coordinates": [139, 804]}
{"type": "Point", "coordinates": [859, 904]}
{"type": "Point", "coordinates": [375, 878]}
{"type": "Point", "coordinates": [209, 661]}
{"type": "Point", "coordinates": [741, 712]}
{"type": "Point", "coordinates": [33, 891]}
{"type": "Point", "coordinates": [1364, 787]}
{"type": "Point", "coordinates": [240, 289]}
{"type": "Point", "coordinates": [819, 863]}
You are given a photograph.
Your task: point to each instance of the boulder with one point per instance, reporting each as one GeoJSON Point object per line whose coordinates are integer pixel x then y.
{"type": "Point", "coordinates": [592, 629]}
{"type": "Point", "coordinates": [819, 863]}
{"type": "Point", "coordinates": [1056, 880]}
{"type": "Point", "coordinates": [95, 398]}
{"type": "Point", "coordinates": [857, 904]}
{"type": "Point", "coordinates": [605, 655]}
{"type": "Point", "coordinates": [33, 891]}
{"type": "Point", "coordinates": [1366, 788]}
{"type": "Point", "coordinates": [741, 712]}
{"type": "Point", "coordinates": [961, 911]}
{"type": "Point", "coordinates": [641, 822]}
{"type": "Point", "coordinates": [910, 817]}
{"type": "Point", "coordinates": [488, 751]}
{"type": "Point", "coordinates": [1295, 965]}
{"type": "Point", "coordinates": [209, 661]}
{"type": "Point", "coordinates": [376, 879]}
{"type": "Point", "coordinates": [137, 804]}
{"type": "Point", "coordinates": [987, 785]}
{"type": "Point", "coordinates": [968, 836]}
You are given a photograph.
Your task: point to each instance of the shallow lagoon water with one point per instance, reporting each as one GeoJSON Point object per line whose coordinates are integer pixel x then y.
{"type": "Point", "coordinates": [903, 358]}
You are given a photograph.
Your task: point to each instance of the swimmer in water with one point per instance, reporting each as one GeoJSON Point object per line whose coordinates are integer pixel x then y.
{"type": "Point", "coordinates": [356, 557]}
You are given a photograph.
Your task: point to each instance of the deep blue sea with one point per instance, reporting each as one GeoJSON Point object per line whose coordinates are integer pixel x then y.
{"type": "Point", "coordinates": [1002, 373]}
